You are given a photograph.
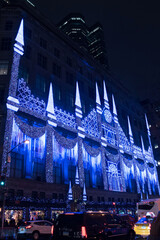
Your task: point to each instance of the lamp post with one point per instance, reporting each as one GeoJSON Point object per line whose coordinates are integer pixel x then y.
{"type": "Point", "coordinates": [8, 160]}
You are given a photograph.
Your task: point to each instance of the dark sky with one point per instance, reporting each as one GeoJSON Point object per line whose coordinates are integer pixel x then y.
{"type": "Point", "coordinates": [132, 34]}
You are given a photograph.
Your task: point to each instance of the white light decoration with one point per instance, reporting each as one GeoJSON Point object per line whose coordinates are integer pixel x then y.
{"type": "Point", "coordinates": [98, 101]}
{"type": "Point", "coordinates": [143, 150]}
{"type": "Point", "coordinates": [114, 106]}
{"type": "Point", "coordinates": [106, 104]}
{"type": "Point", "coordinates": [50, 105]}
{"type": "Point", "coordinates": [97, 95]}
{"type": "Point", "coordinates": [12, 99]}
{"type": "Point", "coordinates": [77, 176]}
{"type": "Point", "coordinates": [84, 193]}
{"type": "Point", "coordinates": [70, 195]}
{"type": "Point", "coordinates": [78, 100]}
{"type": "Point", "coordinates": [18, 46]}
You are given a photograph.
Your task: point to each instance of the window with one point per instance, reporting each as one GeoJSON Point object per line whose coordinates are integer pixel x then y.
{"type": "Point", "coordinates": [90, 76]}
{"type": "Point", "coordinates": [61, 196]}
{"type": "Point", "coordinates": [20, 193]}
{"type": "Point", "coordinates": [70, 100]}
{"type": "Point", "coordinates": [42, 195]}
{"type": "Point", "coordinates": [91, 92]}
{"type": "Point", "coordinates": [57, 92]}
{"type": "Point", "coordinates": [69, 61]}
{"type": "Point", "coordinates": [34, 194]}
{"type": "Point", "coordinates": [54, 195]}
{"type": "Point", "coordinates": [3, 67]}
{"type": "Point", "coordinates": [69, 78]}
{"type": "Point", "coordinates": [42, 61]}
{"type": "Point", "coordinates": [43, 43]}
{"type": "Point", "coordinates": [81, 70]}
{"type": "Point", "coordinates": [11, 193]}
{"type": "Point", "coordinates": [27, 51]}
{"type": "Point", "coordinates": [2, 90]}
{"type": "Point", "coordinates": [23, 73]}
{"type": "Point", "coordinates": [90, 198]}
{"type": "Point", "coordinates": [40, 83]}
{"type": "Point", "coordinates": [8, 25]}
{"type": "Point", "coordinates": [102, 199]}
{"type": "Point", "coordinates": [27, 32]}
{"type": "Point", "coordinates": [56, 53]}
{"type": "Point", "coordinates": [6, 44]}
{"type": "Point", "coordinates": [57, 70]}
{"type": "Point", "coordinates": [17, 164]}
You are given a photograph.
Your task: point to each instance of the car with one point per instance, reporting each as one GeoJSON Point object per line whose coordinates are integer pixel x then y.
{"type": "Point", "coordinates": [91, 225]}
{"type": "Point", "coordinates": [143, 226]}
{"type": "Point", "coordinates": [127, 218]}
{"type": "Point", "coordinates": [35, 229]}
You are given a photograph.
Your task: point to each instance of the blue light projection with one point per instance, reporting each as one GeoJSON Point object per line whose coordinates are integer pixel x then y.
{"type": "Point", "coordinates": [30, 157]}
{"type": "Point", "coordinates": [152, 178]}
{"type": "Point", "coordinates": [64, 162]}
{"type": "Point", "coordinates": [141, 174]}
{"type": "Point", "coordinates": [93, 169]}
{"type": "Point", "coordinates": [129, 177]}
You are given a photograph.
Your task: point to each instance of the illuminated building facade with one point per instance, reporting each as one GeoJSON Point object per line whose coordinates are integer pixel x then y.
{"type": "Point", "coordinates": [70, 110]}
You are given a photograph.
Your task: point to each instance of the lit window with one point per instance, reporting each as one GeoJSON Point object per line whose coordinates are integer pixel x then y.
{"type": "Point", "coordinates": [3, 67]}
{"type": "Point", "coordinates": [156, 146]}
{"type": "Point", "coordinates": [150, 126]}
{"type": "Point", "coordinates": [158, 163]}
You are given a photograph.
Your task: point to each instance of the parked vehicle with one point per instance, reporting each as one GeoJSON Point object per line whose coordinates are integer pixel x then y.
{"type": "Point", "coordinates": [148, 206]}
{"type": "Point", "coordinates": [127, 218]}
{"type": "Point", "coordinates": [91, 225]}
{"type": "Point", "coordinates": [143, 226]}
{"type": "Point", "coordinates": [35, 229]}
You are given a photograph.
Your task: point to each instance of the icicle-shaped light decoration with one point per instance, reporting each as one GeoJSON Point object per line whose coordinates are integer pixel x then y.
{"type": "Point", "coordinates": [98, 101]}
{"type": "Point", "coordinates": [130, 131]}
{"type": "Point", "coordinates": [50, 108]}
{"type": "Point", "coordinates": [70, 195]}
{"type": "Point", "coordinates": [84, 193]}
{"type": "Point", "coordinates": [18, 46]}
{"type": "Point", "coordinates": [114, 110]}
{"type": "Point", "coordinates": [106, 102]}
{"type": "Point", "coordinates": [77, 176]}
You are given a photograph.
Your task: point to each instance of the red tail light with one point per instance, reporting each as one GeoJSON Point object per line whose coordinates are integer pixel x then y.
{"type": "Point", "coordinates": [52, 229]}
{"type": "Point", "coordinates": [83, 232]}
{"type": "Point", "coordinates": [28, 227]}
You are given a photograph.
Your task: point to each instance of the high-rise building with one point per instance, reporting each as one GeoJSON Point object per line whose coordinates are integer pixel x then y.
{"type": "Point", "coordinates": [90, 39]}
{"type": "Point", "coordinates": [67, 128]}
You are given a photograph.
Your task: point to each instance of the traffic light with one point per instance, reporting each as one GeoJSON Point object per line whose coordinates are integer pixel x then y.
{"type": "Point", "coordinates": [2, 181]}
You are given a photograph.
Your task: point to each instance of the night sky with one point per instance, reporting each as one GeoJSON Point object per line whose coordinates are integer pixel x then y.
{"type": "Point", "coordinates": [132, 35]}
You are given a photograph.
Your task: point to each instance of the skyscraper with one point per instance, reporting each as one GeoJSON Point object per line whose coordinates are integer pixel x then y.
{"type": "Point", "coordinates": [90, 39]}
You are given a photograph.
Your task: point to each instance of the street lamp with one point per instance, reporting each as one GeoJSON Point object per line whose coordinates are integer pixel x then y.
{"type": "Point", "coordinates": [4, 182]}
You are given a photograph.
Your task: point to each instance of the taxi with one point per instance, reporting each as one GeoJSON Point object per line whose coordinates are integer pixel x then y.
{"type": "Point", "coordinates": [143, 226]}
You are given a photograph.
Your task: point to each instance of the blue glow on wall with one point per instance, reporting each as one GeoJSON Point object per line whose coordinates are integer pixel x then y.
{"type": "Point", "coordinates": [129, 177]}
{"type": "Point", "coordinates": [64, 163]}
{"type": "Point", "coordinates": [32, 155]}
{"type": "Point", "coordinates": [93, 170]}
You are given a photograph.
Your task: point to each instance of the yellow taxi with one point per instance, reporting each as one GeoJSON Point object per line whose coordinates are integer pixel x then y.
{"type": "Point", "coordinates": [143, 226]}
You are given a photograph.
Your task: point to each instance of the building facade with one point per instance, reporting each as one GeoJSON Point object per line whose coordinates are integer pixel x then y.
{"type": "Point", "coordinates": [74, 116]}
